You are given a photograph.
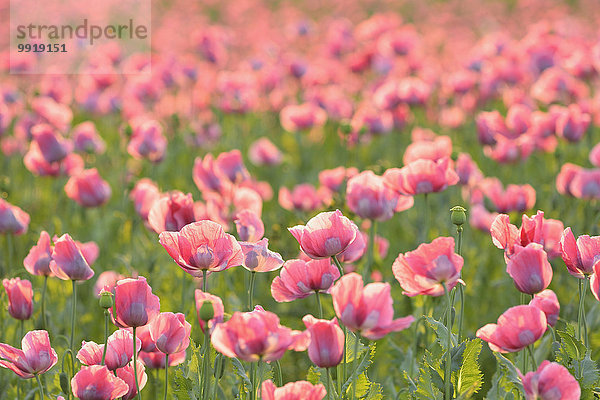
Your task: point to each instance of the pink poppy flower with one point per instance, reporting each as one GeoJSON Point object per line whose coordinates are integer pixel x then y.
{"type": "Point", "coordinates": [301, 117]}
{"type": "Point", "coordinates": [217, 306]}
{"type": "Point", "coordinates": [144, 195]}
{"type": "Point", "coordinates": [421, 176]}
{"type": "Point", "coordinates": [119, 349]}
{"type": "Point", "coordinates": [547, 301]}
{"type": "Point", "coordinates": [355, 250]}
{"type": "Point", "coordinates": [135, 305]}
{"type": "Point", "coordinates": [367, 309]}
{"type": "Point", "coordinates": [438, 148]}
{"type": "Point", "coordinates": [87, 139]}
{"type": "Point", "coordinates": [564, 179]}
{"type": "Point", "coordinates": [529, 268]}
{"type": "Point", "coordinates": [594, 156]}
{"type": "Point", "coordinates": [53, 146]}
{"type": "Point", "coordinates": [299, 390]}
{"type": "Point", "coordinates": [333, 179]}
{"type": "Point", "coordinates": [579, 255]}
{"type": "Point", "coordinates": [299, 279]}
{"type": "Point", "coordinates": [480, 218]}
{"type": "Point", "coordinates": [107, 281]}
{"type": "Point", "coordinates": [20, 298]}
{"type": "Point", "coordinates": [88, 188]}
{"type": "Point", "coordinates": [255, 335]}
{"type": "Point", "coordinates": [250, 227]}
{"type": "Point", "coordinates": [148, 141]}
{"type": "Point", "coordinates": [34, 161]}
{"type": "Point", "coordinates": [37, 261]}
{"type": "Point", "coordinates": [368, 197]}
{"type": "Point", "coordinates": [97, 382]}
{"type": "Point", "coordinates": [156, 359]}
{"type": "Point", "coordinates": [585, 184]}
{"type": "Point", "coordinates": [68, 261]}
{"type": "Point", "coordinates": [208, 177]}
{"type": "Point", "coordinates": [422, 271]}
{"type": "Point", "coordinates": [171, 212]}
{"type": "Point", "coordinates": [515, 198]}
{"type": "Point", "coordinates": [325, 235]}
{"type": "Point", "coordinates": [170, 332]}
{"type": "Point", "coordinates": [13, 220]}
{"type": "Point", "coordinates": [90, 353]}
{"type": "Point", "coordinates": [264, 152]}
{"type": "Point", "coordinates": [326, 347]}
{"type": "Point", "coordinates": [517, 328]}
{"type": "Point", "coordinates": [551, 381]}
{"type": "Point", "coordinates": [232, 166]}
{"type": "Point", "coordinates": [303, 197]}
{"type": "Point", "coordinates": [202, 246]}
{"type": "Point", "coordinates": [36, 356]}
{"type": "Point", "coordinates": [127, 375]}
{"type": "Point", "coordinates": [258, 258]}
{"type": "Point", "coordinates": [572, 123]}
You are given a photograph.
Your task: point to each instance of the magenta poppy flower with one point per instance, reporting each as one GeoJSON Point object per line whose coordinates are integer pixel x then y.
{"type": "Point", "coordinates": [36, 356]}
{"type": "Point", "coordinates": [68, 261]}
{"type": "Point", "coordinates": [292, 391]}
{"type": "Point", "coordinates": [367, 309]}
{"type": "Point", "coordinates": [86, 138]}
{"type": "Point", "coordinates": [517, 328]}
{"type": "Point", "coordinates": [328, 234]}
{"type": "Point", "coordinates": [422, 271]}
{"type": "Point", "coordinates": [258, 258]}
{"type": "Point", "coordinates": [368, 197]}
{"type": "Point", "coordinates": [37, 261]}
{"type": "Point", "coordinates": [250, 227]}
{"type": "Point", "coordinates": [202, 246]}
{"type": "Point", "coordinates": [580, 255]}
{"type": "Point", "coordinates": [135, 305]}
{"type": "Point", "coordinates": [547, 301]}
{"type": "Point", "coordinates": [52, 145]}
{"type": "Point", "coordinates": [255, 335]}
{"type": "Point", "coordinates": [299, 279]}
{"type": "Point", "coordinates": [529, 268]}
{"type": "Point", "coordinates": [144, 195]}
{"type": "Point", "coordinates": [301, 117]}
{"type": "Point", "coordinates": [264, 152]}
{"type": "Point", "coordinates": [13, 220]}
{"type": "Point", "coordinates": [217, 306]}
{"type": "Point", "coordinates": [326, 347]}
{"type": "Point", "coordinates": [20, 298]}
{"type": "Point", "coordinates": [148, 141]}
{"type": "Point", "coordinates": [170, 332]}
{"type": "Point", "coordinates": [421, 176]}
{"type": "Point", "coordinates": [96, 382]}
{"type": "Point", "coordinates": [88, 188]}
{"type": "Point", "coordinates": [551, 381]}
{"type": "Point", "coordinates": [171, 212]}
{"type": "Point", "coordinates": [127, 374]}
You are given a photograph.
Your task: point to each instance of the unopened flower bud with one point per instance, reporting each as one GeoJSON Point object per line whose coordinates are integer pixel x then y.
{"type": "Point", "coordinates": [106, 300]}
{"type": "Point", "coordinates": [64, 383]}
{"type": "Point", "coordinates": [458, 215]}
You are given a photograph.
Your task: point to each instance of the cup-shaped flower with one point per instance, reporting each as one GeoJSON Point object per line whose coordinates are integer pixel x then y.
{"type": "Point", "coordinates": [421, 176]}
{"type": "Point", "coordinates": [424, 270]}
{"type": "Point", "coordinates": [217, 305]}
{"type": "Point", "coordinates": [355, 250]}
{"type": "Point", "coordinates": [170, 332]}
{"type": "Point", "coordinates": [135, 305]}
{"type": "Point", "coordinates": [579, 255]}
{"type": "Point", "coordinates": [127, 375]}
{"type": "Point", "coordinates": [20, 298]}
{"type": "Point", "coordinates": [202, 246]}
{"type": "Point", "coordinates": [325, 235]}
{"type": "Point", "coordinates": [326, 347]}
{"type": "Point", "coordinates": [119, 350]}
{"type": "Point", "coordinates": [264, 152]}
{"type": "Point", "coordinates": [300, 390]}
{"type": "Point", "coordinates": [148, 142]}
{"type": "Point", "coordinates": [171, 212]}
{"type": "Point", "coordinates": [90, 353]}
{"type": "Point", "coordinates": [529, 268]}
{"type": "Point", "coordinates": [36, 356]}
{"type": "Point", "coordinates": [13, 220]}
{"type": "Point", "coordinates": [299, 279]}
{"type": "Point", "coordinates": [551, 381]}
{"type": "Point", "coordinates": [88, 188]}
{"type": "Point", "coordinates": [250, 227]}
{"type": "Point", "coordinates": [517, 328]}
{"type": "Point", "coordinates": [156, 359]}
{"type": "Point", "coordinates": [368, 197]}
{"type": "Point", "coordinates": [547, 301]}
{"type": "Point", "coordinates": [258, 258]}
{"type": "Point", "coordinates": [144, 195]}
{"type": "Point", "coordinates": [37, 261]}
{"type": "Point", "coordinates": [367, 309]}
{"type": "Point", "coordinates": [68, 261]}
{"type": "Point", "coordinates": [96, 382]}
{"type": "Point", "coordinates": [595, 281]}
{"type": "Point", "coordinates": [255, 335]}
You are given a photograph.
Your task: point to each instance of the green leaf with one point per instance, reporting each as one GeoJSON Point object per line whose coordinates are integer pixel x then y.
{"type": "Point", "coordinates": [586, 371]}
{"type": "Point", "coordinates": [470, 377]}
{"type": "Point", "coordinates": [510, 371]}
{"type": "Point", "coordinates": [362, 366]}
{"type": "Point", "coordinates": [240, 371]}
{"type": "Point", "coordinates": [350, 343]}
{"type": "Point", "coordinates": [313, 375]}
{"type": "Point", "coordinates": [441, 332]}
{"type": "Point", "coordinates": [573, 347]}
{"type": "Point", "coordinates": [426, 390]}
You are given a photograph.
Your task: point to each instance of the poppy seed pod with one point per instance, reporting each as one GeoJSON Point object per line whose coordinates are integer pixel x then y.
{"type": "Point", "coordinates": [458, 215]}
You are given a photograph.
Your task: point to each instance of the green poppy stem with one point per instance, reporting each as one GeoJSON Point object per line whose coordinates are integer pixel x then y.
{"type": "Point", "coordinates": [166, 375]}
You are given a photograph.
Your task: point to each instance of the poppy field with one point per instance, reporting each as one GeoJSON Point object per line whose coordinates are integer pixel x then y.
{"type": "Point", "coordinates": [307, 200]}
